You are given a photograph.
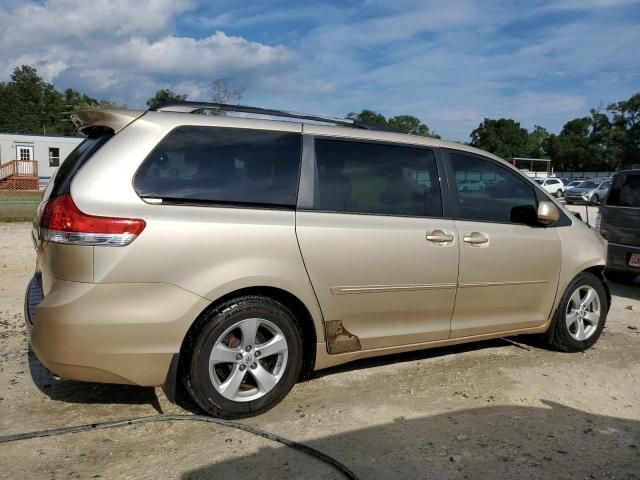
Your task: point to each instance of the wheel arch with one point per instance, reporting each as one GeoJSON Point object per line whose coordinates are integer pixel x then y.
{"type": "Point", "coordinates": [299, 310]}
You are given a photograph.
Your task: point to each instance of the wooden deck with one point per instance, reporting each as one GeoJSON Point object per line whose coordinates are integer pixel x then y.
{"type": "Point", "coordinates": [19, 175]}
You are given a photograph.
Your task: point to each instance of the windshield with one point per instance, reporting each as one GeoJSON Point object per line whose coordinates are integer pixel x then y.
{"type": "Point", "coordinates": [575, 183]}
{"type": "Point", "coordinates": [588, 184]}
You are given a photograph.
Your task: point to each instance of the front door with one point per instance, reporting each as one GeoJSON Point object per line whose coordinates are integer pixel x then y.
{"type": "Point", "coordinates": [508, 270]}
{"type": "Point", "coordinates": [24, 152]}
{"type": "Point", "coordinates": [381, 258]}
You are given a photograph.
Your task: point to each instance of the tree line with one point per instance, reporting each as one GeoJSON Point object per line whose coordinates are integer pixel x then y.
{"type": "Point", "coordinates": [607, 139]}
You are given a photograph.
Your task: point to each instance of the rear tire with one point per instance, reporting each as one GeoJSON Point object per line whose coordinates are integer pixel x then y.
{"type": "Point", "coordinates": [581, 315]}
{"type": "Point", "coordinates": [625, 278]}
{"type": "Point", "coordinates": [559, 193]}
{"type": "Point", "coordinates": [245, 357]}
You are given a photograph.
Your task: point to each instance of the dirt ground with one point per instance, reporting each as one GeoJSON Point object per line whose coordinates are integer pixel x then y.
{"type": "Point", "coordinates": [490, 410]}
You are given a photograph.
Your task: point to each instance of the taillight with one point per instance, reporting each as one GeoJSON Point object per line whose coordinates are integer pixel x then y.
{"type": "Point", "coordinates": [63, 222]}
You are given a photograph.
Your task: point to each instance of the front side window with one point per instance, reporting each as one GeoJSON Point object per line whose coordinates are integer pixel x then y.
{"type": "Point", "coordinates": [223, 165]}
{"type": "Point", "coordinates": [498, 195]}
{"type": "Point", "coordinates": [376, 179]}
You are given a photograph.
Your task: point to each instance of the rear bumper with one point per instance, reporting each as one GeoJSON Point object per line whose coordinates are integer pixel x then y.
{"type": "Point", "coordinates": [618, 258]}
{"type": "Point", "coordinates": [111, 333]}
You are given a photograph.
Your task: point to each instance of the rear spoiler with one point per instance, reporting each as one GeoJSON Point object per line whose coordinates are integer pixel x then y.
{"type": "Point", "coordinates": [116, 120]}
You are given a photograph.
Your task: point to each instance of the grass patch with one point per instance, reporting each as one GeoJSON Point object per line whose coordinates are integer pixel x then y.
{"type": "Point", "coordinates": [18, 206]}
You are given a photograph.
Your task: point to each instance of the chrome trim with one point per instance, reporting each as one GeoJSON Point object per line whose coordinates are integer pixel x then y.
{"type": "Point", "coordinates": [501, 284]}
{"type": "Point", "coordinates": [389, 288]}
{"type": "Point", "coordinates": [78, 238]}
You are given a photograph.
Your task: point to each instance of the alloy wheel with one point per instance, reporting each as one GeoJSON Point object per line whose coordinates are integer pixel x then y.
{"type": "Point", "coordinates": [583, 313]}
{"type": "Point", "coordinates": [248, 359]}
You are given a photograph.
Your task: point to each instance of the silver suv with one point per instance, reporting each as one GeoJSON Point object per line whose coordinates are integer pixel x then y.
{"type": "Point", "coordinates": [236, 254]}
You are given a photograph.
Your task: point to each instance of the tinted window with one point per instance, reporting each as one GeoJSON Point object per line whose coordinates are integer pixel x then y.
{"type": "Point", "coordinates": [552, 182]}
{"type": "Point", "coordinates": [589, 185]}
{"type": "Point", "coordinates": [488, 192]}
{"type": "Point", "coordinates": [374, 178]}
{"type": "Point", "coordinates": [625, 191]}
{"type": "Point", "coordinates": [76, 159]}
{"type": "Point", "coordinates": [224, 165]}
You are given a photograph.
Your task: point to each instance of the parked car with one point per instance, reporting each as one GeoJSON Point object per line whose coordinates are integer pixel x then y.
{"type": "Point", "coordinates": [233, 255]}
{"type": "Point", "coordinates": [572, 184]}
{"type": "Point", "coordinates": [619, 222]}
{"type": "Point", "coordinates": [589, 191]}
{"type": "Point", "coordinates": [552, 185]}
{"type": "Point", "coordinates": [471, 186]}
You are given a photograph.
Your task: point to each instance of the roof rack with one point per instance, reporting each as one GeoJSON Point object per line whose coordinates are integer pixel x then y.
{"type": "Point", "coordinates": [190, 107]}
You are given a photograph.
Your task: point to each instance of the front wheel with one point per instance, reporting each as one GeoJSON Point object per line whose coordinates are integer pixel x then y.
{"type": "Point", "coordinates": [245, 358]}
{"type": "Point", "coordinates": [559, 193]}
{"type": "Point", "coordinates": [595, 199]}
{"type": "Point", "coordinates": [580, 316]}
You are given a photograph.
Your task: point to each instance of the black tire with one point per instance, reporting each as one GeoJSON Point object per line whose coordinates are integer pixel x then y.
{"type": "Point", "coordinates": [211, 326]}
{"type": "Point", "coordinates": [625, 278]}
{"type": "Point", "coordinates": [558, 193]}
{"type": "Point", "coordinates": [558, 336]}
{"type": "Point", "coordinates": [595, 199]}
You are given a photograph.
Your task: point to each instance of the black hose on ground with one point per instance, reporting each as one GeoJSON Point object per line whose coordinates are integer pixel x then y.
{"type": "Point", "coordinates": [190, 418]}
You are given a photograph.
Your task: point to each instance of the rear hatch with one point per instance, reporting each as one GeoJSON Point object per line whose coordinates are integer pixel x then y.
{"type": "Point", "coordinates": [620, 215]}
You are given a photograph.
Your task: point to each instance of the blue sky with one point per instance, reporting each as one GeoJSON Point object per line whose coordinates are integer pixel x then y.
{"type": "Point", "coordinates": [449, 63]}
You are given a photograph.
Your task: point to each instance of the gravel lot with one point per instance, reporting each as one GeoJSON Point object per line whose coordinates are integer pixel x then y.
{"type": "Point", "coordinates": [490, 410]}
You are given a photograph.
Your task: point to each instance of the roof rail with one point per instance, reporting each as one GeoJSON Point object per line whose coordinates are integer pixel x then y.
{"type": "Point", "coordinates": [190, 107]}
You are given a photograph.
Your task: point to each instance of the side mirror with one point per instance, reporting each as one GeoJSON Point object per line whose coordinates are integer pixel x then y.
{"type": "Point", "coordinates": [548, 213]}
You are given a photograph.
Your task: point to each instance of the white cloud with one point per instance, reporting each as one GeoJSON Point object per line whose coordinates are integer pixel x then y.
{"type": "Point", "coordinates": [450, 63]}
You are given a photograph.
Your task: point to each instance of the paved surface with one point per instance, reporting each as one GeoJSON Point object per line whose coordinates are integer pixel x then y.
{"type": "Point", "coordinates": [491, 410]}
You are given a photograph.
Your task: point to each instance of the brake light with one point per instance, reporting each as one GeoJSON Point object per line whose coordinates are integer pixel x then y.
{"type": "Point", "coordinates": [63, 222]}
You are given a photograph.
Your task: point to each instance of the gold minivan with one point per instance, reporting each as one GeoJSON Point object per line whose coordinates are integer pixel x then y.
{"type": "Point", "coordinates": [233, 254]}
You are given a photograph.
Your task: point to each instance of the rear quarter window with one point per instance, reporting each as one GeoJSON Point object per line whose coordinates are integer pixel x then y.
{"type": "Point", "coordinates": [625, 191]}
{"type": "Point", "coordinates": [223, 165]}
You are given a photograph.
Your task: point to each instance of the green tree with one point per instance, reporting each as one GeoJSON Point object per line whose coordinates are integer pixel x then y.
{"type": "Point", "coordinates": [163, 96]}
{"type": "Point", "coordinates": [399, 123]}
{"type": "Point", "coordinates": [538, 142]}
{"type": "Point", "coordinates": [29, 104]}
{"type": "Point", "coordinates": [503, 137]}
{"type": "Point", "coordinates": [410, 124]}
{"type": "Point", "coordinates": [625, 128]}
{"type": "Point", "coordinates": [370, 117]}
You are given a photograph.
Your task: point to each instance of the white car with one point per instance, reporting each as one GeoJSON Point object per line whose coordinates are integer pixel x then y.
{"type": "Point", "coordinates": [552, 185]}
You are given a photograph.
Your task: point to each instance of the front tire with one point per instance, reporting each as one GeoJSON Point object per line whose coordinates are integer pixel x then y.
{"type": "Point", "coordinates": [559, 193]}
{"type": "Point", "coordinates": [580, 316]}
{"type": "Point", "coordinates": [595, 200]}
{"type": "Point", "coordinates": [245, 357]}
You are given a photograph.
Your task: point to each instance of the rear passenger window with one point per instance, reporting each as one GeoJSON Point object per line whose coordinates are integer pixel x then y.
{"type": "Point", "coordinates": [376, 178]}
{"type": "Point", "coordinates": [625, 191]}
{"type": "Point", "coordinates": [223, 165]}
{"type": "Point", "coordinates": [489, 193]}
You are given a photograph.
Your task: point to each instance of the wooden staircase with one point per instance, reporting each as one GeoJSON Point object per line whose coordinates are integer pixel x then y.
{"type": "Point", "coordinates": [19, 175]}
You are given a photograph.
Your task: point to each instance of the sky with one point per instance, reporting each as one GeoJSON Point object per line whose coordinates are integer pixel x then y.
{"type": "Point", "coordinates": [449, 63]}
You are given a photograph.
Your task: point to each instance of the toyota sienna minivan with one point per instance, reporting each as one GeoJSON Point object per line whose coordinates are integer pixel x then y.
{"type": "Point", "coordinates": [232, 255]}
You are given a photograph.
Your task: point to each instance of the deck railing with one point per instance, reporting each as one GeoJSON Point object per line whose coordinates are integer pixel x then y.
{"type": "Point", "coordinates": [19, 168]}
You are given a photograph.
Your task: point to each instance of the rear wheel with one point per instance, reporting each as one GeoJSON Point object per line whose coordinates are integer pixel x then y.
{"type": "Point", "coordinates": [245, 358]}
{"type": "Point", "coordinates": [559, 193]}
{"type": "Point", "coordinates": [581, 315]}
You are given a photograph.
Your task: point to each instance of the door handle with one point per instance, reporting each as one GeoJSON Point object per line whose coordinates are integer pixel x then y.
{"type": "Point", "coordinates": [476, 238]}
{"type": "Point", "coordinates": [439, 236]}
